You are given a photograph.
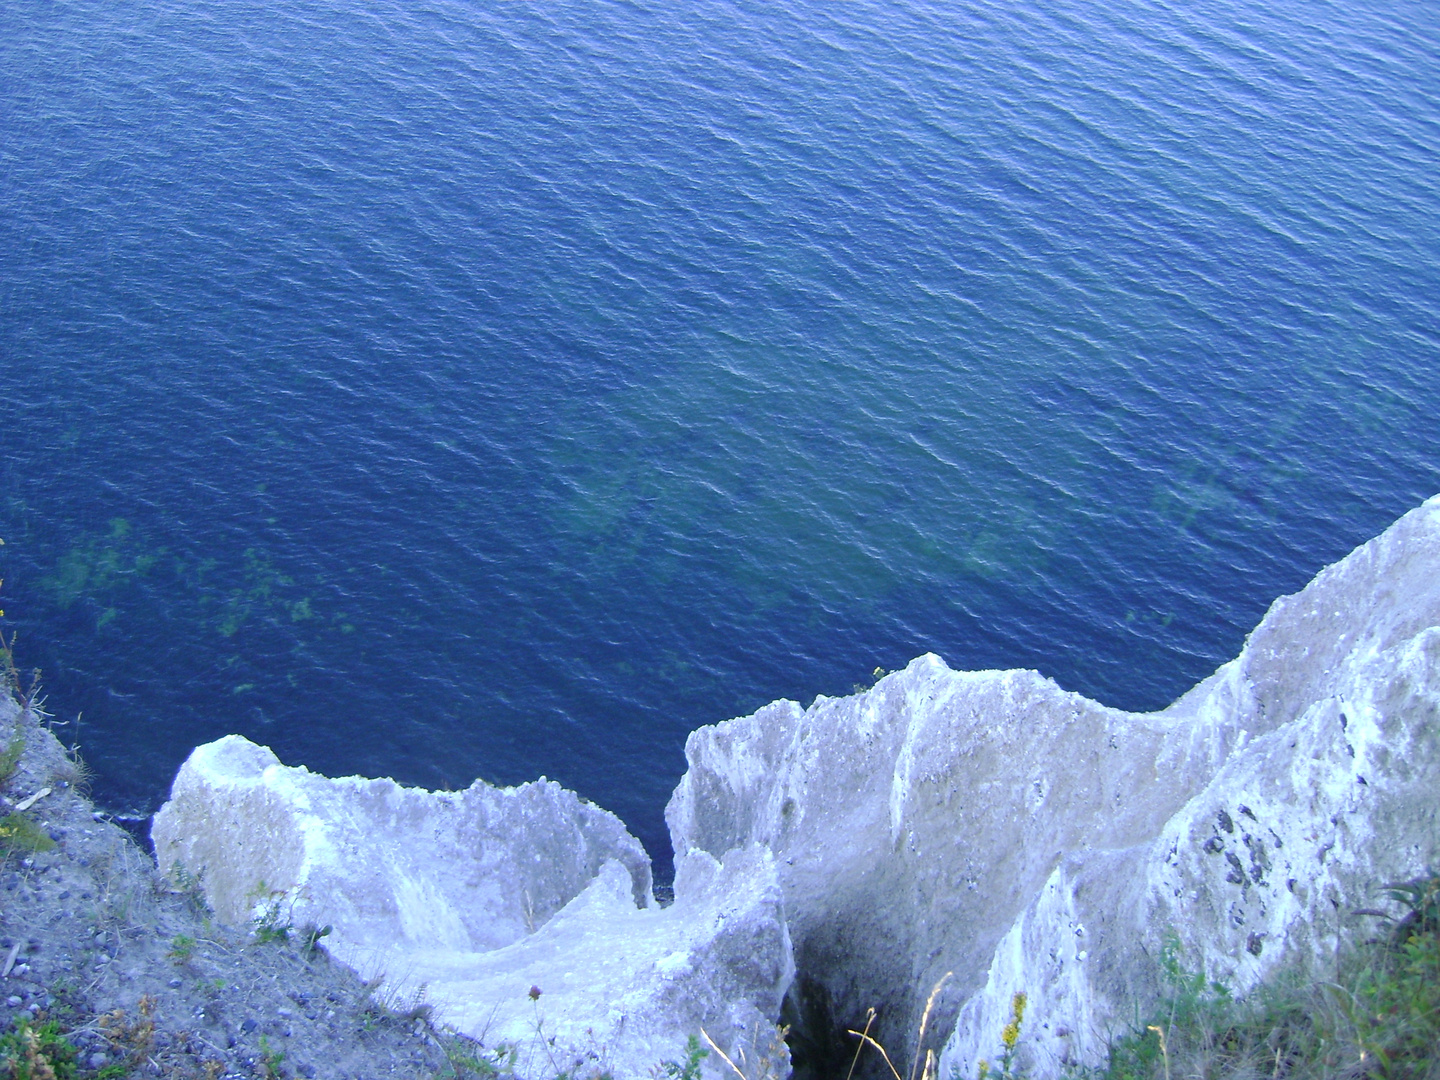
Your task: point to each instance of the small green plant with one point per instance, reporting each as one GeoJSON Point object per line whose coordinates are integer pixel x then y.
{"type": "Point", "coordinates": [74, 772]}
{"type": "Point", "coordinates": [270, 1059]}
{"type": "Point", "coordinates": [1377, 1018]}
{"type": "Point", "coordinates": [18, 834]}
{"type": "Point", "coordinates": [689, 1069]}
{"type": "Point", "coordinates": [1395, 1003]}
{"type": "Point", "coordinates": [10, 759]}
{"type": "Point", "coordinates": [463, 1059]}
{"type": "Point", "coordinates": [1421, 896]}
{"type": "Point", "coordinates": [10, 674]}
{"type": "Point", "coordinates": [310, 937]}
{"type": "Point", "coordinates": [546, 1042]}
{"type": "Point", "coordinates": [31, 1052]}
{"type": "Point", "coordinates": [182, 948]}
{"type": "Point", "coordinates": [66, 1000]}
{"type": "Point", "coordinates": [1198, 1019]}
{"type": "Point", "coordinates": [386, 1005]}
{"type": "Point", "coordinates": [270, 923]}
{"type": "Point", "coordinates": [415, 1007]}
{"type": "Point", "coordinates": [190, 886]}
{"type": "Point", "coordinates": [875, 676]}
{"type": "Point", "coordinates": [1009, 1037]}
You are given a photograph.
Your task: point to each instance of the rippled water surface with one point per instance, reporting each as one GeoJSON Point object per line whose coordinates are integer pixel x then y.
{"type": "Point", "coordinates": [442, 389]}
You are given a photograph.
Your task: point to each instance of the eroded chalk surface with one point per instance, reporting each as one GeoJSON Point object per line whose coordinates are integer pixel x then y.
{"type": "Point", "coordinates": [472, 898]}
{"type": "Point", "coordinates": [986, 825]}
{"type": "Point", "coordinates": [991, 825]}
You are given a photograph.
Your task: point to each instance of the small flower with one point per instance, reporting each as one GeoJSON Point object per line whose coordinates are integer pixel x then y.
{"type": "Point", "coordinates": [534, 993]}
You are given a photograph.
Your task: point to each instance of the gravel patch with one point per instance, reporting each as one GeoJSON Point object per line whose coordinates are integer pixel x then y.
{"type": "Point", "coordinates": [140, 980]}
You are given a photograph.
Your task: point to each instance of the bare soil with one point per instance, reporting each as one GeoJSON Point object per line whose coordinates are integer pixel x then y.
{"type": "Point", "coordinates": [139, 978]}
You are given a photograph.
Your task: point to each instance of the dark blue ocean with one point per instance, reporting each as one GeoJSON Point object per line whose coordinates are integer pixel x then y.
{"type": "Point", "coordinates": [442, 389]}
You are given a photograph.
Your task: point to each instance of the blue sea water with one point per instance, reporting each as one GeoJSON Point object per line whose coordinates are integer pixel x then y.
{"type": "Point", "coordinates": [440, 389]}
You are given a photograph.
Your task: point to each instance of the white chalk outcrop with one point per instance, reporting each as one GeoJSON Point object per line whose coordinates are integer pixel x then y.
{"type": "Point", "coordinates": [473, 897]}
{"type": "Point", "coordinates": [986, 824]}
{"type": "Point", "coordinates": [402, 867]}
{"type": "Point", "coordinates": [1337, 793]}
{"type": "Point", "coordinates": [623, 988]}
{"type": "Point", "coordinates": [1263, 867]}
{"type": "Point", "coordinates": [992, 825]}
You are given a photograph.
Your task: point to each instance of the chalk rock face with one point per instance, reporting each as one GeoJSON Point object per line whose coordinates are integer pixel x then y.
{"type": "Point", "coordinates": [942, 816]}
{"type": "Point", "coordinates": [472, 897]}
{"type": "Point", "coordinates": [621, 987]}
{"type": "Point", "coordinates": [1263, 868]}
{"type": "Point", "coordinates": [468, 870]}
{"type": "Point", "coordinates": [911, 824]}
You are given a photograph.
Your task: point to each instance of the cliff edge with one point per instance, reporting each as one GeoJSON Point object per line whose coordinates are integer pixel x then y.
{"type": "Point", "coordinates": [985, 832]}
{"type": "Point", "coordinates": [1018, 837]}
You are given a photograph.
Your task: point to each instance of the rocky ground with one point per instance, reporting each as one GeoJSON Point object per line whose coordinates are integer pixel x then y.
{"type": "Point", "coordinates": [132, 973]}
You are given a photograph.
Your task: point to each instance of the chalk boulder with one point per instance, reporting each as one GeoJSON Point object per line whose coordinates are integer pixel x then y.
{"type": "Point", "coordinates": [468, 870]}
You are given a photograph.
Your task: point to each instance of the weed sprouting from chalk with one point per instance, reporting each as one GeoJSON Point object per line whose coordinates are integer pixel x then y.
{"type": "Point", "coordinates": [1378, 1018]}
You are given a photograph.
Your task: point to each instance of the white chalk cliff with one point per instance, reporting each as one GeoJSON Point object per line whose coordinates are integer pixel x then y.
{"type": "Point", "coordinates": [992, 825]}
{"type": "Point", "coordinates": [987, 824]}
{"type": "Point", "coordinates": [471, 898]}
